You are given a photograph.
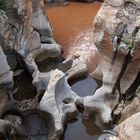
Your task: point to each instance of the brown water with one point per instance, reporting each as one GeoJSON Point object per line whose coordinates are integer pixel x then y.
{"type": "Point", "coordinates": [71, 20]}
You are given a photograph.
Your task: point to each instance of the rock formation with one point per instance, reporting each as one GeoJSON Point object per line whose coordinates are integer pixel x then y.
{"type": "Point", "coordinates": [27, 38]}
{"type": "Point", "coordinates": [59, 102]}
{"type": "Point", "coordinates": [116, 34]}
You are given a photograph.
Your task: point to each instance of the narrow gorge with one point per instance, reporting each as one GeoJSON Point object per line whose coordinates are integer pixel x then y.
{"type": "Point", "coordinates": [69, 70]}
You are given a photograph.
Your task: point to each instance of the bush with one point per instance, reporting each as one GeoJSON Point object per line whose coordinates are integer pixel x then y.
{"type": "Point", "coordinates": [3, 4]}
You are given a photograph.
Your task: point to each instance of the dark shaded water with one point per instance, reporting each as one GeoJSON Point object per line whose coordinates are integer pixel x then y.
{"type": "Point", "coordinates": [35, 127]}
{"type": "Point", "coordinates": [85, 86]}
{"type": "Point", "coordinates": [82, 130]}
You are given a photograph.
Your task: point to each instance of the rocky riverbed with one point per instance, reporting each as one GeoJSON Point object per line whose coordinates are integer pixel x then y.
{"type": "Point", "coordinates": [69, 70]}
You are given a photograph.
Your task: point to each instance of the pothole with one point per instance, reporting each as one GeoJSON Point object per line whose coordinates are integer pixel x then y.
{"type": "Point", "coordinates": [24, 89]}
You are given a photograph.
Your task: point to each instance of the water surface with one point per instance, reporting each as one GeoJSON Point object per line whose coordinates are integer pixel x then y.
{"type": "Point", "coordinates": [71, 20]}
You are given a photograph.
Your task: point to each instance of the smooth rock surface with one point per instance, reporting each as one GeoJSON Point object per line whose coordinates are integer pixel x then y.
{"type": "Point", "coordinates": [129, 129]}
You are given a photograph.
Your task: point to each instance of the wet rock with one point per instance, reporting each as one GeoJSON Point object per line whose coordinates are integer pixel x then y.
{"type": "Point", "coordinates": [5, 127]}
{"type": "Point", "coordinates": [3, 100]}
{"type": "Point", "coordinates": [129, 129]}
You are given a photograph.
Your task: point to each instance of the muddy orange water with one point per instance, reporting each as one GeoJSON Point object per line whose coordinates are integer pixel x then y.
{"type": "Point", "coordinates": [71, 20]}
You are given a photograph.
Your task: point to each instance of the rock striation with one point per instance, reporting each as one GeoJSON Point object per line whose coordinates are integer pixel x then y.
{"type": "Point", "coordinates": [116, 35]}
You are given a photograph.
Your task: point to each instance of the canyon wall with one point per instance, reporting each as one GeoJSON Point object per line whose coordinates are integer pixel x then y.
{"type": "Point", "coordinates": [116, 34]}
{"type": "Point", "coordinates": [27, 38]}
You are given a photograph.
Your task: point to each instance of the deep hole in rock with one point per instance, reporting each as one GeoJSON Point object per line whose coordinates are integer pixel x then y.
{"type": "Point", "coordinates": [24, 87]}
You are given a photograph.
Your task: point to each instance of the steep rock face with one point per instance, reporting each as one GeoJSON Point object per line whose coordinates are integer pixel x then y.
{"type": "Point", "coordinates": [6, 76]}
{"type": "Point", "coordinates": [26, 36]}
{"type": "Point", "coordinates": [129, 109]}
{"type": "Point", "coordinates": [116, 34]}
{"type": "Point", "coordinates": [25, 31]}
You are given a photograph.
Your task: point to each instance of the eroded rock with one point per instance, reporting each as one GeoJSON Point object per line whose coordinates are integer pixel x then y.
{"type": "Point", "coordinates": [78, 69]}
{"type": "Point", "coordinates": [58, 101]}
{"type": "Point", "coordinates": [116, 35]}
{"type": "Point", "coordinates": [26, 33]}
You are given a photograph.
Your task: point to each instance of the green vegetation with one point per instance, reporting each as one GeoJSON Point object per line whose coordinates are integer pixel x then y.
{"type": "Point", "coordinates": [3, 4]}
{"type": "Point", "coordinates": [129, 41]}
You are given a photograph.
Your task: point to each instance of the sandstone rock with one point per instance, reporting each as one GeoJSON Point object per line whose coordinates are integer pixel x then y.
{"type": "Point", "coordinates": [40, 22]}
{"type": "Point", "coordinates": [116, 35]}
{"type": "Point", "coordinates": [85, 50]}
{"type": "Point", "coordinates": [129, 129]}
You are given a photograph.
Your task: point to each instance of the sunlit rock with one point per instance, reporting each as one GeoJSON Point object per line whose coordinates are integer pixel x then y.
{"type": "Point", "coordinates": [129, 129]}
{"type": "Point", "coordinates": [116, 35]}
{"type": "Point", "coordinates": [59, 102]}
{"type": "Point", "coordinates": [85, 50]}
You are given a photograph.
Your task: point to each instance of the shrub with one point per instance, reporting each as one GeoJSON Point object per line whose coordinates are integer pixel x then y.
{"type": "Point", "coordinates": [3, 4]}
{"type": "Point", "coordinates": [129, 41]}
